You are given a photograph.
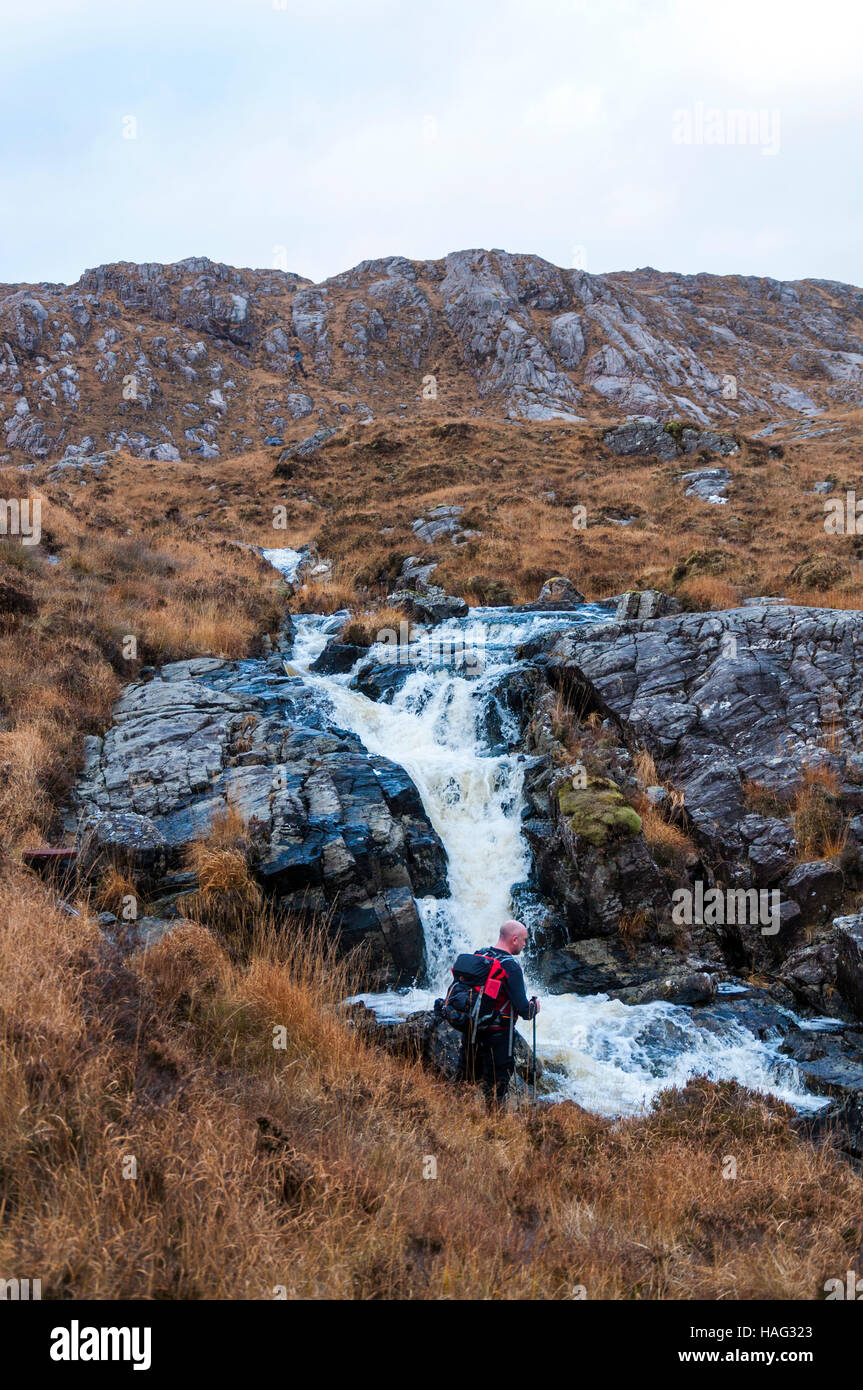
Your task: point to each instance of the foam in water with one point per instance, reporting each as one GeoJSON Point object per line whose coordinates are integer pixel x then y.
{"type": "Point", "coordinates": [610, 1057]}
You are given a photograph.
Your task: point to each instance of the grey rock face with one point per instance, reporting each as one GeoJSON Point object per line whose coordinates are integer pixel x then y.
{"type": "Point", "coordinates": [646, 436]}
{"type": "Point", "coordinates": [336, 829]}
{"type": "Point", "coordinates": [530, 340]}
{"type": "Point", "coordinates": [816, 888]}
{"type": "Point", "coordinates": [708, 484]}
{"type": "Point", "coordinates": [848, 937]}
{"type": "Point", "coordinates": [720, 698]}
{"type": "Point", "coordinates": [810, 974]}
{"type": "Point", "coordinates": [441, 521]}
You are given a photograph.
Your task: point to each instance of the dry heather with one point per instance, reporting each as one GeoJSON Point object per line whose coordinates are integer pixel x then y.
{"type": "Point", "coordinates": [303, 1166]}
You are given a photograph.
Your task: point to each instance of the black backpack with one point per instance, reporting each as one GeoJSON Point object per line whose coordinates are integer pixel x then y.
{"type": "Point", "coordinates": [473, 998]}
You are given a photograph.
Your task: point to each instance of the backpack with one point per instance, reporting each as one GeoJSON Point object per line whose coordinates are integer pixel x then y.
{"type": "Point", "coordinates": [473, 998]}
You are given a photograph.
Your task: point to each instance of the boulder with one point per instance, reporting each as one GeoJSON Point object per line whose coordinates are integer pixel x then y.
{"type": "Point", "coordinates": [816, 888]}
{"type": "Point", "coordinates": [433, 606]}
{"type": "Point", "coordinates": [682, 987]}
{"type": "Point", "coordinates": [644, 603]}
{"type": "Point", "coordinates": [441, 521]}
{"type": "Point", "coordinates": [810, 974]}
{"type": "Point", "coordinates": [560, 591]}
{"type": "Point", "coordinates": [122, 840]}
{"type": "Point", "coordinates": [337, 658]}
{"type": "Point", "coordinates": [707, 484]}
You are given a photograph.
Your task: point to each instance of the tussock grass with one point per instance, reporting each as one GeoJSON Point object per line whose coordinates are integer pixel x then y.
{"type": "Point", "coordinates": [820, 826]}
{"type": "Point", "coordinates": [302, 1166]}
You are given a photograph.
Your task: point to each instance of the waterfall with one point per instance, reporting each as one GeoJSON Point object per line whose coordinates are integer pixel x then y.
{"type": "Point", "coordinates": [611, 1057]}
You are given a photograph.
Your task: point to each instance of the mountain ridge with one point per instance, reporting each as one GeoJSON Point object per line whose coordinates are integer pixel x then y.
{"type": "Point", "coordinates": [196, 358]}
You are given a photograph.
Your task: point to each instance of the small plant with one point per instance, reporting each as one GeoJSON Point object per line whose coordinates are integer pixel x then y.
{"type": "Point", "coordinates": [820, 826]}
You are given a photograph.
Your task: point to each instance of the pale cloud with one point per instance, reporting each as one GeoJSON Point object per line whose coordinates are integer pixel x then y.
{"type": "Point", "coordinates": [342, 131]}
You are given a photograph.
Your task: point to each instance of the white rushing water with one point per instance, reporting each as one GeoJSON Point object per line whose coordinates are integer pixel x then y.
{"type": "Point", "coordinates": [285, 560]}
{"type": "Point", "coordinates": [613, 1058]}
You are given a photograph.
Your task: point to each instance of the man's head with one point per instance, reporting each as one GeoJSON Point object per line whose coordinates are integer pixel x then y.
{"type": "Point", "coordinates": [513, 937]}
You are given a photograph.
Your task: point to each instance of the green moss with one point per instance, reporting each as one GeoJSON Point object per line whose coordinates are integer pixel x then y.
{"type": "Point", "coordinates": [598, 812]}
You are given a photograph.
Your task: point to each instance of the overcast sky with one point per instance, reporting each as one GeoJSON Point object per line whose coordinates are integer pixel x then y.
{"type": "Point", "coordinates": [317, 133]}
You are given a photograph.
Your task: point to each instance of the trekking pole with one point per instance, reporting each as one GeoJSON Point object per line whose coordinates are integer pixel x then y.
{"type": "Point", "coordinates": [534, 1050]}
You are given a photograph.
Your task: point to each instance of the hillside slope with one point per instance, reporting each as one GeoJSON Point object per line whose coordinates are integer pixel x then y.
{"type": "Point", "coordinates": [196, 359]}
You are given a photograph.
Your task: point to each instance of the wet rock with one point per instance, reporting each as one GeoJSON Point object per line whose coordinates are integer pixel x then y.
{"type": "Point", "coordinates": [380, 680]}
{"type": "Point", "coordinates": [848, 938]}
{"type": "Point", "coordinates": [810, 974]}
{"type": "Point", "coordinates": [682, 987]}
{"type": "Point", "coordinates": [333, 827]}
{"type": "Point", "coordinates": [337, 658]}
{"type": "Point", "coordinates": [431, 1038]}
{"type": "Point", "coordinates": [604, 965]}
{"type": "Point", "coordinates": [770, 848]}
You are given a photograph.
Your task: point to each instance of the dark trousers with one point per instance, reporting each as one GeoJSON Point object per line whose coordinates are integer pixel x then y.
{"type": "Point", "coordinates": [488, 1062]}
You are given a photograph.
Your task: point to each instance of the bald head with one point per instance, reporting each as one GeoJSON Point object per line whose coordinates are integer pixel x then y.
{"type": "Point", "coordinates": [513, 937]}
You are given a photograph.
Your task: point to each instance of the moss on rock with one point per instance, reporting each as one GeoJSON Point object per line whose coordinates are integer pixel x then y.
{"type": "Point", "coordinates": [598, 812]}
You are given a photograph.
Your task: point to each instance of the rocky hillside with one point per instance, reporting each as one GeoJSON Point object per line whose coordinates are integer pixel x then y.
{"type": "Point", "coordinates": [198, 358]}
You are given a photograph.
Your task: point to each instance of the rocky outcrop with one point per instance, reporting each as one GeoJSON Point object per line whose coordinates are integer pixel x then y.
{"type": "Point", "coordinates": [198, 358]}
{"type": "Point", "coordinates": [336, 830]}
{"type": "Point", "coordinates": [749, 696]}
{"type": "Point", "coordinates": [644, 435]}
{"type": "Point", "coordinates": [589, 855]}
{"type": "Point", "coordinates": [644, 603]}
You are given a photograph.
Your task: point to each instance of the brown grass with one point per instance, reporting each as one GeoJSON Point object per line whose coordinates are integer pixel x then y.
{"type": "Point", "coordinates": [301, 1166]}
{"type": "Point", "coordinates": [227, 893]}
{"type": "Point", "coordinates": [820, 826]}
{"type": "Point", "coordinates": [72, 633]}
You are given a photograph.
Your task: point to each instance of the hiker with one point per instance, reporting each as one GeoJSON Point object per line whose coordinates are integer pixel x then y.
{"type": "Point", "coordinates": [298, 362]}
{"type": "Point", "coordinates": [495, 997]}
